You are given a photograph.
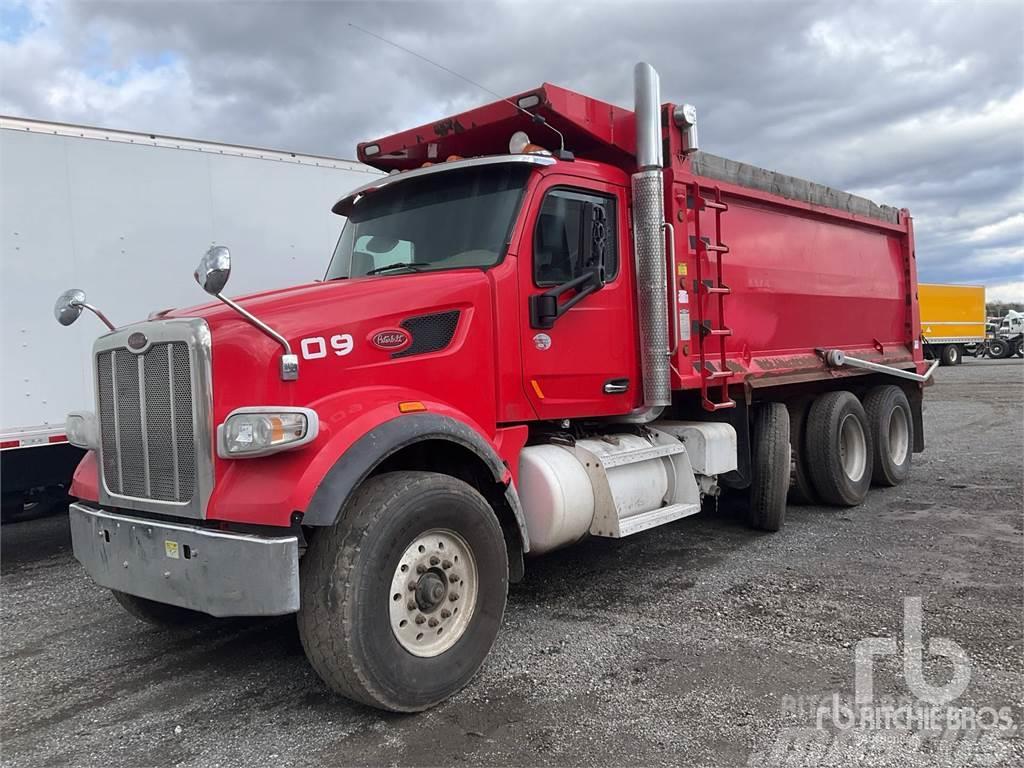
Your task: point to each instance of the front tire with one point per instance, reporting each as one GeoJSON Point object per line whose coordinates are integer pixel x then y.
{"type": "Point", "coordinates": [403, 597]}
{"type": "Point", "coordinates": [839, 448]}
{"type": "Point", "coordinates": [998, 349]}
{"type": "Point", "coordinates": [892, 431]}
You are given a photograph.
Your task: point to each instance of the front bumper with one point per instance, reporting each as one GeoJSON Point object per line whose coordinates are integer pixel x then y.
{"type": "Point", "coordinates": [215, 572]}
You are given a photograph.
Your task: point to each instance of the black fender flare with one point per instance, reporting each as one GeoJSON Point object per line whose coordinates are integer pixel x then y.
{"type": "Point", "coordinates": [389, 437]}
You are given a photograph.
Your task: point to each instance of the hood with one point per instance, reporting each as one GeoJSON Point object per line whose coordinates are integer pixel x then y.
{"type": "Point", "coordinates": [296, 310]}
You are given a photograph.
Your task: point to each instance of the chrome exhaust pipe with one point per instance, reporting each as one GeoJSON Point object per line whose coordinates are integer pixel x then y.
{"type": "Point", "coordinates": [649, 239]}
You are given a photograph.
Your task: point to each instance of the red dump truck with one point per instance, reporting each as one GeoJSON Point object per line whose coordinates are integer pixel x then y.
{"type": "Point", "coordinates": [553, 318]}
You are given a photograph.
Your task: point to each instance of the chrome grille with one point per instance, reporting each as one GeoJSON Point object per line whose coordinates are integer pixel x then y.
{"type": "Point", "coordinates": [147, 422]}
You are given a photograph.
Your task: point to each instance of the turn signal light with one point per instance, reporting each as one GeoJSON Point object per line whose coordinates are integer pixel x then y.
{"type": "Point", "coordinates": [411, 406]}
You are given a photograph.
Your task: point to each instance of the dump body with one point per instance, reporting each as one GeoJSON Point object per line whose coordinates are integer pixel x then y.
{"type": "Point", "coordinates": [952, 314]}
{"type": "Point", "coordinates": [810, 270]}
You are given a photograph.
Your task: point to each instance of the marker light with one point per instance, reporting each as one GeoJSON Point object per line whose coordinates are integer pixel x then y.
{"type": "Point", "coordinates": [518, 143]}
{"type": "Point", "coordinates": [251, 432]}
{"type": "Point", "coordinates": [371, 149]}
{"type": "Point", "coordinates": [525, 102]}
{"type": "Point", "coordinates": [536, 149]}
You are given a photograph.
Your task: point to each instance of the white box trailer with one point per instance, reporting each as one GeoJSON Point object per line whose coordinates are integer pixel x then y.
{"type": "Point", "coordinates": [127, 216]}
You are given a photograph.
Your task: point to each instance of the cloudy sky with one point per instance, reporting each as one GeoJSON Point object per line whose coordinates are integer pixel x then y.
{"type": "Point", "coordinates": [912, 103]}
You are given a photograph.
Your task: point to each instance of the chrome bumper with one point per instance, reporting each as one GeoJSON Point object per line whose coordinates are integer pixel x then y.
{"type": "Point", "coordinates": [216, 572]}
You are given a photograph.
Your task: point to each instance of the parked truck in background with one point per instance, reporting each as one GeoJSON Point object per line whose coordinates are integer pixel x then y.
{"type": "Point", "coordinates": [1007, 336]}
{"type": "Point", "coordinates": [554, 318]}
{"type": "Point", "coordinates": [952, 320]}
{"type": "Point", "coordinates": [124, 212]}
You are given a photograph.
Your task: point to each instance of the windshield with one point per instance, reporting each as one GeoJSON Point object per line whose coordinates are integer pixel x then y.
{"type": "Point", "coordinates": [451, 220]}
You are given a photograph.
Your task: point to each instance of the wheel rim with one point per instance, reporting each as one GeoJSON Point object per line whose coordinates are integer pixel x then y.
{"type": "Point", "coordinates": [899, 436]}
{"type": "Point", "coordinates": [433, 593]}
{"type": "Point", "coordinates": [853, 447]}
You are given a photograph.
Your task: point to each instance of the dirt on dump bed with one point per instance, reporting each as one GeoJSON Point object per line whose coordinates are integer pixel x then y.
{"type": "Point", "coordinates": [698, 643]}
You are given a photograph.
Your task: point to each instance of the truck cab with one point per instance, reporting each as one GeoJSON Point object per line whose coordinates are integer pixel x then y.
{"type": "Point", "coordinates": [531, 331]}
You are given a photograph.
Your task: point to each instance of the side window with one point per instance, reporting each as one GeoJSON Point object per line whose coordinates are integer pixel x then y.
{"type": "Point", "coordinates": [561, 251]}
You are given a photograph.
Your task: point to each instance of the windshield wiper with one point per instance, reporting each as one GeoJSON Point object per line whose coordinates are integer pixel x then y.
{"type": "Point", "coordinates": [413, 265]}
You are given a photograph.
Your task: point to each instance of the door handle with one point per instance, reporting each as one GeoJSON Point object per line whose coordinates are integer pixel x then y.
{"type": "Point", "coordinates": [616, 386]}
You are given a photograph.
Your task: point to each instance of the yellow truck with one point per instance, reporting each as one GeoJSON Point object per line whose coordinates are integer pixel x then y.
{"type": "Point", "coordinates": [952, 318]}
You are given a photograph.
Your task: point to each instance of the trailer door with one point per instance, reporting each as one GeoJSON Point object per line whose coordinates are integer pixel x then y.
{"type": "Point", "coordinates": [586, 363]}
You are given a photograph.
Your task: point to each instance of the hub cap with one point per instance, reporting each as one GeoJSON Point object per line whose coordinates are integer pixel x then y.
{"type": "Point", "coordinates": [433, 593]}
{"type": "Point", "coordinates": [853, 448]}
{"type": "Point", "coordinates": [899, 436]}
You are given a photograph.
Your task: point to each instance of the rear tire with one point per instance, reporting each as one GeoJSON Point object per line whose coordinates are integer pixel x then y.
{"type": "Point", "coordinates": [801, 491]}
{"type": "Point", "coordinates": [892, 431]}
{"type": "Point", "coordinates": [839, 449]}
{"type": "Point", "coordinates": [159, 614]}
{"type": "Point", "coordinates": [951, 355]}
{"type": "Point", "coordinates": [770, 474]}
{"type": "Point", "coordinates": [382, 586]}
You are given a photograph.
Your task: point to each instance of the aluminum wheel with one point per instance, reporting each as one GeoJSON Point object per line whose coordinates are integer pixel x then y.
{"type": "Point", "coordinates": [853, 447]}
{"type": "Point", "coordinates": [899, 435]}
{"type": "Point", "coordinates": [433, 593]}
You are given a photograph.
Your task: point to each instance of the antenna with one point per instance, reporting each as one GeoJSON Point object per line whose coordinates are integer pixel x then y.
{"type": "Point", "coordinates": [534, 117]}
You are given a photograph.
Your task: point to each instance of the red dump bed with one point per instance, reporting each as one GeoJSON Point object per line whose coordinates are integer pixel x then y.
{"type": "Point", "coordinates": [806, 266]}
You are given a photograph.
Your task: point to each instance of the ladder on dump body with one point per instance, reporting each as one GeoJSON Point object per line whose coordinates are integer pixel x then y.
{"type": "Point", "coordinates": [710, 328]}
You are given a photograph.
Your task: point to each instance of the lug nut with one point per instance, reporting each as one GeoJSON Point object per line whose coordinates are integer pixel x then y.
{"type": "Point", "coordinates": [445, 613]}
{"type": "Point", "coordinates": [412, 586]}
{"type": "Point", "coordinates": [420, 619]}
{"type": "Point", "coordinates": [411, 605]}
{"type": "Point", "coordinates": [453, 596]}
{"type": "Point", "coordinates": [453, 577]}
{"type": "Point", "coordinates": [432, 623]}
{"type": "Point", "coordinates": [434, 560]}
{"type": "Point", "coordinates": [421, 568]}
{"type": "Point", "coordinates": [446, 564]}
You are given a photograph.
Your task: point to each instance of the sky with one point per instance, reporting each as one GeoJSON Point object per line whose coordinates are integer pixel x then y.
{"type": "Point", "coordinates": [914, 104]}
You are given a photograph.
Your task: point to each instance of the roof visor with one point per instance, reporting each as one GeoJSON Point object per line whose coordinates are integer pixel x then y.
{"type": "Point", "coordinates": [344, 206]}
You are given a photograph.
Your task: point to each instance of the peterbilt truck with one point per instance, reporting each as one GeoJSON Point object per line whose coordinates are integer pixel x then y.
{"type": "Point", "coordinates": [552, 319]}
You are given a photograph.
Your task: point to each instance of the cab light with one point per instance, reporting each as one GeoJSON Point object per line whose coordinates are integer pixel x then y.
{"type": "Point", "coordinates": [250, 432]}
{"type": "Point", "coordinates": [519, 141]}
{"type": "Point", "coordinates": [411, 406]}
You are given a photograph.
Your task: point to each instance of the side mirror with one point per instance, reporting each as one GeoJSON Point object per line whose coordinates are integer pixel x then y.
{"type": "Point", "coordinates": [69, 306]}
{"type": "Point", "coordinates": [214, 270]}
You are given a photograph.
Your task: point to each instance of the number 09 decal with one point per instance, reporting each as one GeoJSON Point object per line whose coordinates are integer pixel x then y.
{"type": "Point", "coordinates": [315, 347]}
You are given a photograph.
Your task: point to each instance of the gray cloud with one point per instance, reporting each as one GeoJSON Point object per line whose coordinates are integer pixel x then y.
{"type": "Point", "coordinates": [916, 104]}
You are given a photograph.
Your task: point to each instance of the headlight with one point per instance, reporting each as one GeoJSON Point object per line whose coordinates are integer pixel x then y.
{"type": "Point", "coordinates": [251, 432]}
{"type": "Point", "coordinates": [80, 428]}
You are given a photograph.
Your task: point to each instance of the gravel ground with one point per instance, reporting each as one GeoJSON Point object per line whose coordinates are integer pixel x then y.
{"type": "Point", "coordinates": [699, 643]}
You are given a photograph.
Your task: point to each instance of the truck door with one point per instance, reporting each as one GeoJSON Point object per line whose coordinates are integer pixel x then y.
{"type": "Point", "coordinates": [585, 360]}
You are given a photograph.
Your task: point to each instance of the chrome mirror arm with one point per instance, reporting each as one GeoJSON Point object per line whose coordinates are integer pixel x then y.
{"type": "Point", "coordinates": [103, 318]}
{"type": "Point", "coordinates": [289, 360]}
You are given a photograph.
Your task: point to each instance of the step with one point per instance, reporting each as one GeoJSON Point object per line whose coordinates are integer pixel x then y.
{"type": "Point", "coordinates": [642, 454]}
{"type": "Point", "coordinates": [656, 517]}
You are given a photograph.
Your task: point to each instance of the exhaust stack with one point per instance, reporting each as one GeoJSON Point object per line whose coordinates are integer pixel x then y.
{"type": "Point", "coordinates": [649, 240]}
